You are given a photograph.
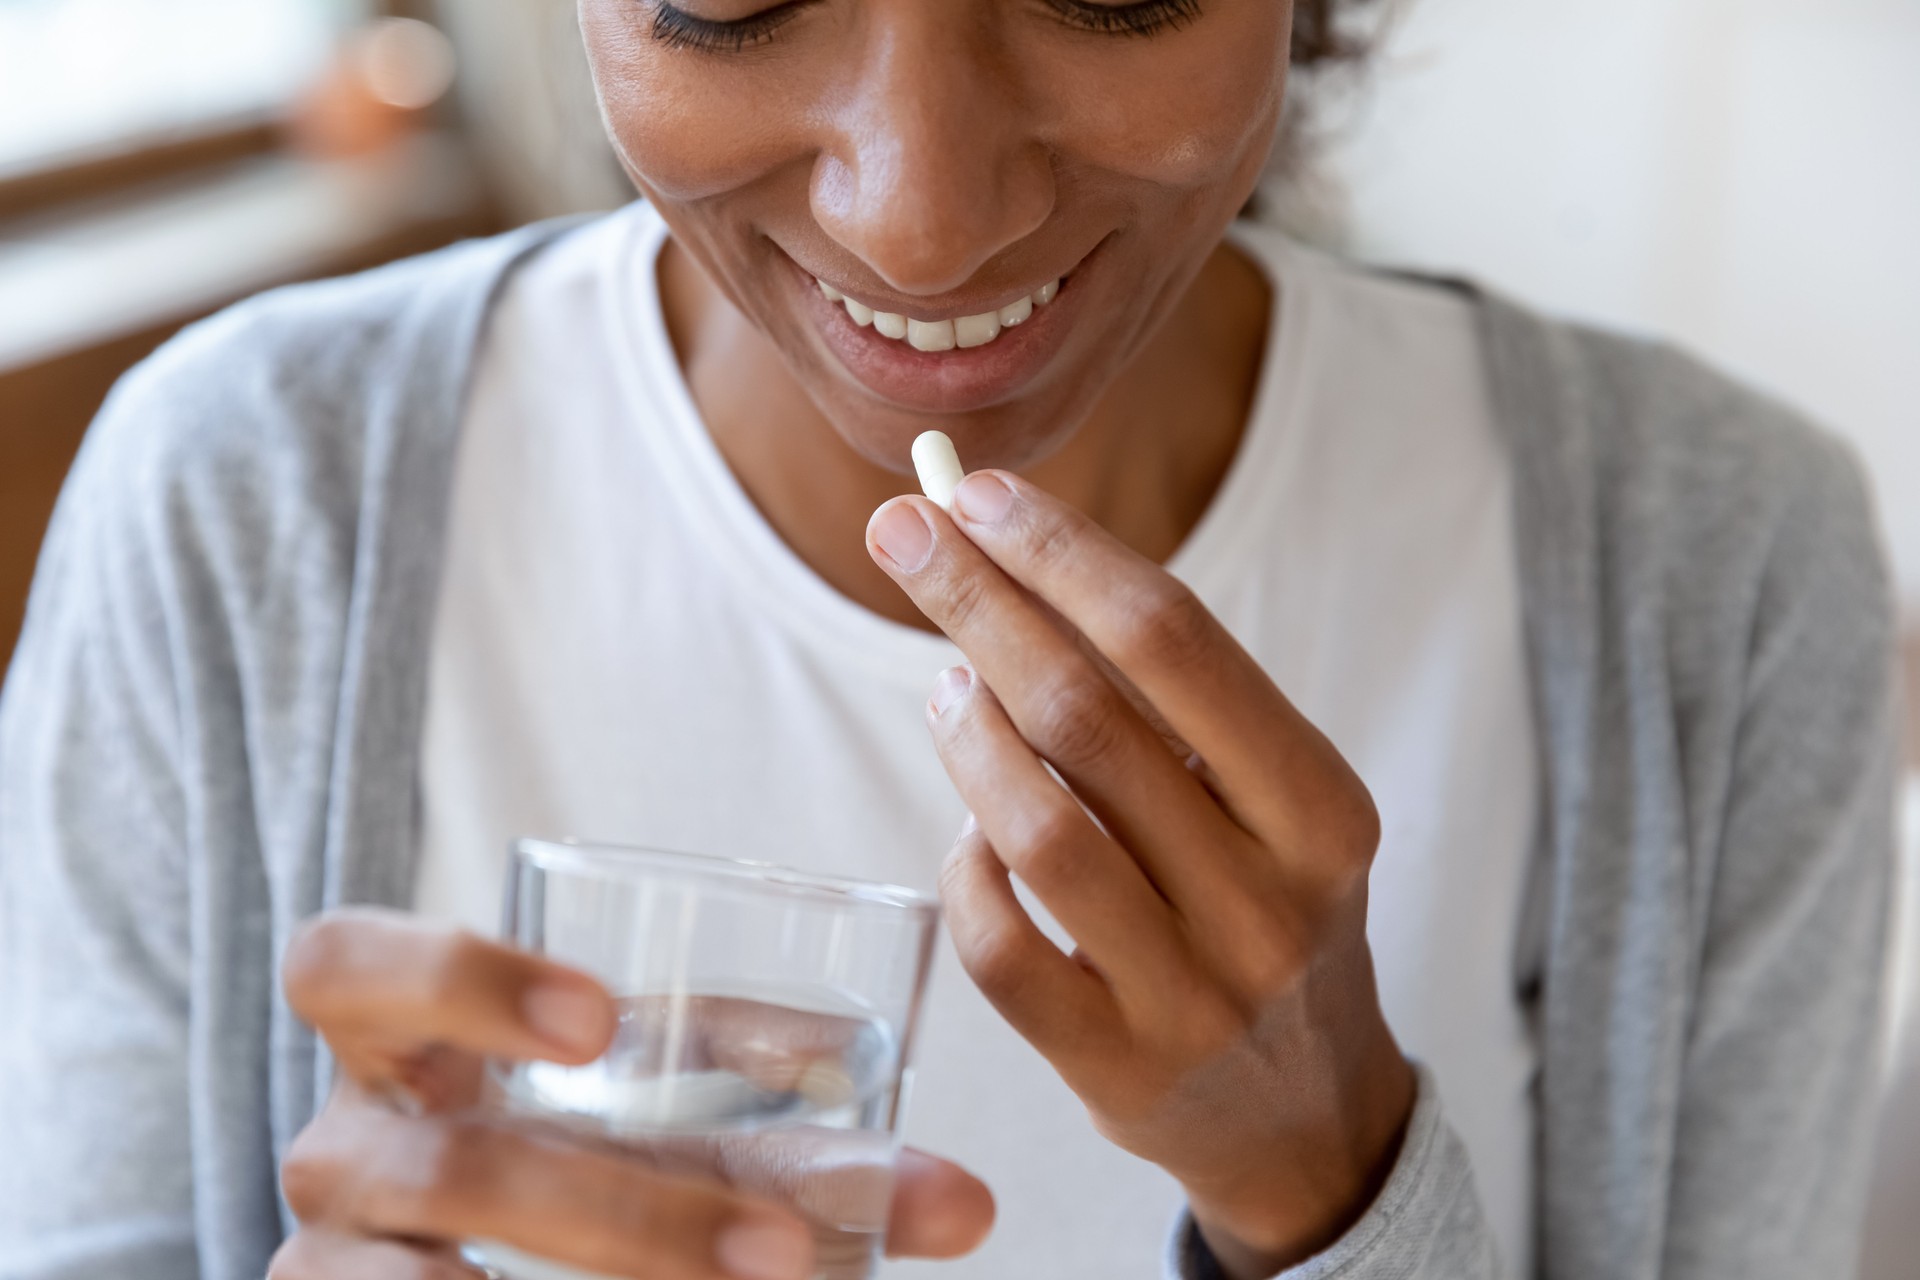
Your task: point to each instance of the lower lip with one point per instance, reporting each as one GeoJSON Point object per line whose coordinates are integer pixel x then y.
{"type": "Point", "coordinates": [954, 381]}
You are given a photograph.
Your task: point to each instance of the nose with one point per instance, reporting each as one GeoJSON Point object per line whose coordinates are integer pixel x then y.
{"type": "Point", "coordinates": [931, 166]}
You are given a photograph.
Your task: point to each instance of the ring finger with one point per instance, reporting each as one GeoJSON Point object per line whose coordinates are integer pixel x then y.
{"type": "Point", "coordinates": [1096, 892]}
{"type": "Point", "coordinates": [328, 1255]}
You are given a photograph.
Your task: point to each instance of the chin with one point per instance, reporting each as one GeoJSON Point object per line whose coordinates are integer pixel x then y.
{"type": "Point", "coordinates": [1010, 437]}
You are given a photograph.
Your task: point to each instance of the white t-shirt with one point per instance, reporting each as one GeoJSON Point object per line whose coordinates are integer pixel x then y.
{"type": "Point", "coordinates": [624, 650]}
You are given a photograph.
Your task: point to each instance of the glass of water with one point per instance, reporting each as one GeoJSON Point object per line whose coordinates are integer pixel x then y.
{"type": "Point", "coordinates": [765, 1021]}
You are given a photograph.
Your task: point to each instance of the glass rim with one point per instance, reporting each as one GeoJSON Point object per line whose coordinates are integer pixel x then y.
{"type": "Point", "coordinates": [630, 862]}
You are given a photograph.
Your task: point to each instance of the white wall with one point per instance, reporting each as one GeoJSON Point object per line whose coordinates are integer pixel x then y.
{"type": "Point", "coordinates": [1743, 175]}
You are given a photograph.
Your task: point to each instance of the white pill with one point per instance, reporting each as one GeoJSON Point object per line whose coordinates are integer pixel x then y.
{"type": "Point", "coordinates": [938, 466]}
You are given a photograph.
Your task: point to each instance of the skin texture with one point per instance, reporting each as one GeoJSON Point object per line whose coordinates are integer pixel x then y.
{"type": "Point", "coordinates": [937, 158]}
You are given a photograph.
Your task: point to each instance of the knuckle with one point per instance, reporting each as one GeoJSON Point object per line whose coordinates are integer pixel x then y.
{"type": "Point", "coordinates": [1342, 877]}
{"type": "Point", "coordinates": [1267, 938]}
{"type": "Point", "coordinates": [454, 960]}
{"type": "Point", "coordinates": [316, 952]}
{"type": "Point", "coordinates": [1048, 846]}
{"type": "Point", "coordinates": [964, 600]}
{"type": "Point", "coordinates": [997, 962]}
{"type": "Point", "coordinates": [306, 1180]}
{"type": "Point", "coordinates": [456, 1161]}
{"type": "Point", "coordinates": [412, 1264]}
{"type": "Point", "coordinates": [961, 732]}
{"type": "Point", "coordinates": [1078, 722]}
{"type": "Point", "coordinates": [995, 956]}
{"type": "Point", "coordinates": [323, 1160]}
{"type": "Point", "coordinates": [440, 1173]}
{"type": "Point", "coordinates": [1166, 627]}
{"type": "Point", "coordinates": [1364, 828]}
{"type": "Point", "coordinates": [1213, 1024]}
{"type": "Point", "coordinates": [309, 1255]}
{"type": "Point", "coordinates": [1047, 542]}
{"type": "Point", "coordinates": [1270, 961]}
{"type": "Point", "coordinates": [415, 1264]}
{"type": "Point", "coordinates": [1350, 836]}
{"type": "Point", "coordinates": [957, 872]}
{"type": "Point", "coordinates": [292, 1260]}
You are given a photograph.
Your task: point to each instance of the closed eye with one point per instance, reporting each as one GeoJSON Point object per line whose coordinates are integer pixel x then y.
{"type": "Point", "coordinates": [1144, 18]}
{"type": "Point", "coordinates": [678, 29]}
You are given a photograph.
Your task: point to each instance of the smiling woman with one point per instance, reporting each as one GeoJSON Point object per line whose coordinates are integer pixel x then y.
{"type": "Point", "coordinates": [1421, 772]}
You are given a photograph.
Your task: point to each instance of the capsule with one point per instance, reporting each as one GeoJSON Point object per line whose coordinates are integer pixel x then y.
{"type": "Point", "coordinates": [938, 467]}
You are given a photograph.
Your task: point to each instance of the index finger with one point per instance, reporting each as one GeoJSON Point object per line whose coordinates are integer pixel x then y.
{"type": "Point", "coordinates": [1156, 632]}
{"type": "Point", "coordinates": [380, 985]}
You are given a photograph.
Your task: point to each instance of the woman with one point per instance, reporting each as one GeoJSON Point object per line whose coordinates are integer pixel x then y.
{"type": "Point", "coordinates": [1450, 687]}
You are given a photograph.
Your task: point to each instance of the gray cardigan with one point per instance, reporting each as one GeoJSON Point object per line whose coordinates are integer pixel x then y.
{"type": "Point", "coordinates": [212, 725]}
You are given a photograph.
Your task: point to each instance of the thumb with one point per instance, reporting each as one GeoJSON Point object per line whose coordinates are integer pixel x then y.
{"type": "Point", "coordinates": [939, 1209]}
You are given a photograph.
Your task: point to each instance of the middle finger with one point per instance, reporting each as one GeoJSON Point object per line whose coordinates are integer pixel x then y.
{"type": "Point", "coordinates": [1070, 714]}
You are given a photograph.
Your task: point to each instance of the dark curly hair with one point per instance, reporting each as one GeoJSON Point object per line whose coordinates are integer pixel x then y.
{"type": "Point", "coordinates": [1331, 39]}
{"type": "Point", "coordinates": [1323, 35]}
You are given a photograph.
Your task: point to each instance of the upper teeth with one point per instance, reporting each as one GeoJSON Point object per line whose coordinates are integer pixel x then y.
{"type": "Point", "coordinates": [943, 335]}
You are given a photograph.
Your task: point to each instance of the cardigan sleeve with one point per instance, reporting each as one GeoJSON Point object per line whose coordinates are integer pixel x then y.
{"type": "Point", "coordinates": [189, 764]}
{"type": "Point", "coordinates": [96, 1158]}
{"type": "Point", "coordinates": [1426, 1221]}
{"type": "Point", "coordinates": [1779, 1089]}
{"type": "Point", "coordinates": [1768, 1148]}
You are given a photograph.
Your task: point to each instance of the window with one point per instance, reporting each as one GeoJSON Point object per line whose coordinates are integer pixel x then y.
{"type": "Point", "coordinates": [82, 75]}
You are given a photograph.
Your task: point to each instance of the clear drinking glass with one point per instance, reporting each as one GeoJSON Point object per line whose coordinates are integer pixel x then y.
{"type": "Point", "coordinates": [766, 1018]}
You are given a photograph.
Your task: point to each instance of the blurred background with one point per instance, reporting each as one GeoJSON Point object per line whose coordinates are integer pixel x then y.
{"type": "Point", "coordinates": [1742, 176]}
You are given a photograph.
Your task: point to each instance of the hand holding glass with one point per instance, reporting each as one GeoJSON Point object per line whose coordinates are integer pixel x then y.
{"type": "Point", "coordinates": [765, 1019]}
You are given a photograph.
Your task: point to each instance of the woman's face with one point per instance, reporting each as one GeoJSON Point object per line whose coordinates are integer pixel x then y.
{"type": "Point", "coordinates": [943, 161]}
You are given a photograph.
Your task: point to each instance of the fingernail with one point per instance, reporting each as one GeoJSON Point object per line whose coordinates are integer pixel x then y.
{"type": "Point", "coordinates": [904, 536]}
{"type": "Point", "coordinates": [765, 1249]}
{"type": "Point", "coordinates": [949, 688]}
{"type": "Point", "coordinates": [573, 1019]}
{"type": "Point", "coordinates": [971, 825]}
{"type": "Point", "coordinates": [983, 498]}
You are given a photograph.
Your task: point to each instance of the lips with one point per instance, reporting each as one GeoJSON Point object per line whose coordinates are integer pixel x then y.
{"type": "Point", "coordinates": [962, 332]}
{"type": "Point", "coordinates": [950, 364]}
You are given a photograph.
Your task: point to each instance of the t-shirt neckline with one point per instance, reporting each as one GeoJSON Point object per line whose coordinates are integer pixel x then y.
{"type": "Point", "coordinates": [761, 564]}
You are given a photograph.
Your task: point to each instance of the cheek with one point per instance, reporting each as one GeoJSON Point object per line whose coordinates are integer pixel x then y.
{"type": "Point", "coordinates": [690, 126]}
{"type": "Point", "coordinates": [1193, 112]}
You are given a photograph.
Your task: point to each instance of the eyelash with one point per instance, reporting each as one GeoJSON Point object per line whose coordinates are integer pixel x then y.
{"type": "Point", "coordinates": [1144, 18]}
{"type": "Point", "coordinates": [678, 29]}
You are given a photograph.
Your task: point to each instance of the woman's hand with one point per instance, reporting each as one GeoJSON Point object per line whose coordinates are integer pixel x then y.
{"type": "Point", "coordinates": [400, 1167]}
{"type": "Point", "coordinates": [1219, 1017]}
